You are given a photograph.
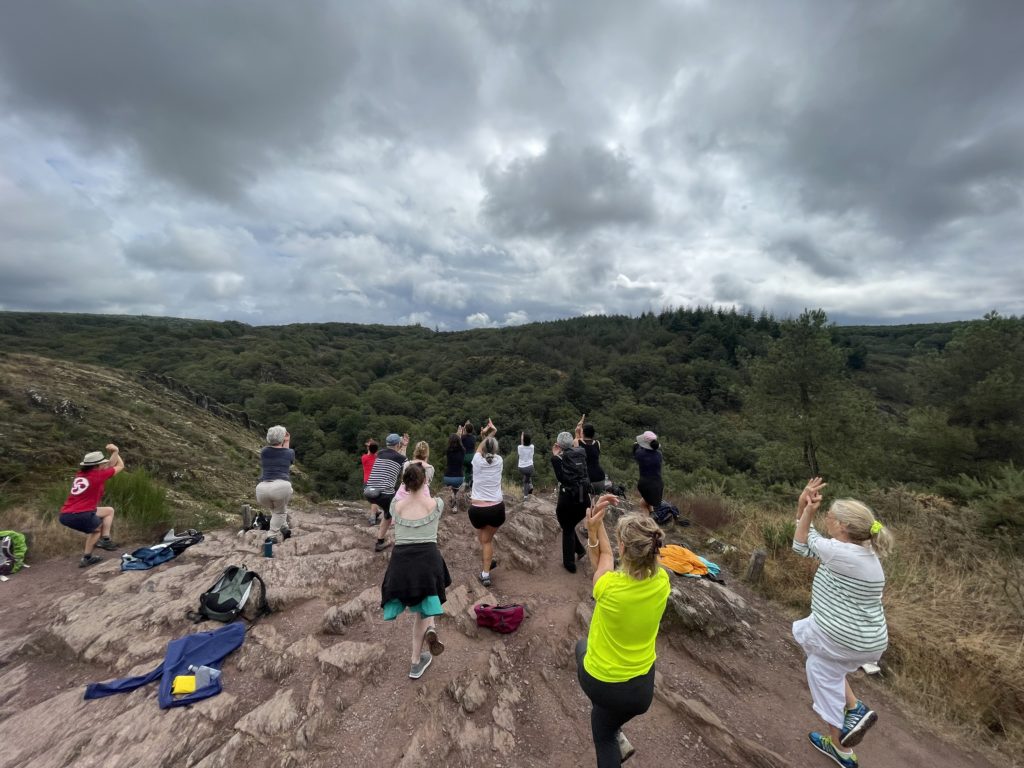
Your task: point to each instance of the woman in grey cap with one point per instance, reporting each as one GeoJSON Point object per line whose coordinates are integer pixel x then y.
{"type": "Point", "coordinates": [81, 511]}
{"type": "Point", "coordinates": [274, 489]}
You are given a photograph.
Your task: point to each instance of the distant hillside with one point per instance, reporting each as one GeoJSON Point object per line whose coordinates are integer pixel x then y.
{"type": "Point", "coordinates": [52, 412]}
{"type": "Point", "coordinates": [741, 401]}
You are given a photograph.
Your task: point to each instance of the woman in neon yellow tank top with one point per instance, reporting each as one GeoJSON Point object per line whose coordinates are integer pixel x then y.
{"type": "Point", "coordinates": [615, 664]}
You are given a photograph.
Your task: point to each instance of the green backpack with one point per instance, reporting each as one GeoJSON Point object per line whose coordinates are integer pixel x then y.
{"type": "Point", "coordinates": [226, 599]}
{"type": "Point", "coordinates": [13, 549]}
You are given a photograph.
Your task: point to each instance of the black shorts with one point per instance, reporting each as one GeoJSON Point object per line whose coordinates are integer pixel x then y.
{"type": "Point", "coordinates": [384, 502]}
{"type": "Point", "coordinates": [86, 522]}
{"type": "Point", "coordinates": [493, 515]}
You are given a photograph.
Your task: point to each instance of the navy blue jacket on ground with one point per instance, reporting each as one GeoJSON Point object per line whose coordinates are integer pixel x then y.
{"type": "Point", "coordinates": [199, 649]}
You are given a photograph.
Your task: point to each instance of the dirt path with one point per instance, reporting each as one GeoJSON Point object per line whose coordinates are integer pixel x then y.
{"type": "Point", "coordinates": [489, 700]}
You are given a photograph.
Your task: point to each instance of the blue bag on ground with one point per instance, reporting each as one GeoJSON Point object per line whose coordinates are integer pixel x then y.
{"type": "Point", "coordinates": [201, 649]}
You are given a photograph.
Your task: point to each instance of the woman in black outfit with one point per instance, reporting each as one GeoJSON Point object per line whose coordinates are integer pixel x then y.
{"type": "Point", "coordinates": [589, 443]}
{"type": "Point", "coordinates": [572, 505]}
{"type": "Point", "coordinates": [454, 466]}
{"type": "Point", "coordinates": [648, 458]}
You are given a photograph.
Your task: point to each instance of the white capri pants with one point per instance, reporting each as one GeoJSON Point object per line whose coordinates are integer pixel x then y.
{"type": "Point", "coordinates": [275, 495]}
{"type": "Point", "coordinates": [828, 664]}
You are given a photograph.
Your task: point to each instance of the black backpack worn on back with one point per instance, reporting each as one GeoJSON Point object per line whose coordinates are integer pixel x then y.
{"type": "Point", "coordinates": [225, 600]}
{"type": "Point", "coordinates": [575, 477]}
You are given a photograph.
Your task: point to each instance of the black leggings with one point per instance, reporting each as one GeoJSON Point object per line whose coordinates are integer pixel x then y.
{"type": "Point", "coordinates": [614, 704]}
{"type": "Point", "coordinates": [569, 512]}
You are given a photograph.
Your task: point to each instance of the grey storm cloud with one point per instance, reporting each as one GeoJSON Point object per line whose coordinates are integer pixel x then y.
{"type": "Point", "coordinates": [498, 163]}
{"type": "Point", "coordinates": [801, 249]}
{"type": "Point", "coordinates": [568, 189]}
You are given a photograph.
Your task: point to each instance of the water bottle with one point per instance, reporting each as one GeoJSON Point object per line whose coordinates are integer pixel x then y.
{"type": "Point", "coordinates": [204, 675]}
{"type": "Point", "coordinates": [268, 547]}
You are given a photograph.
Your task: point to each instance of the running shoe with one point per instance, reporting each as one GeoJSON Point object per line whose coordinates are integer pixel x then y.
{"type": "Point", "coordinates": [485, 580]}
{"type": "Point", "coordinates": [824, 744]}
{"type": "Point", "coordinates": [416, 670]}
{"type": "Point", "coordinates": [856, 723]}
{"type": "Point", "coordinates": [431, 639]}
{"type": "Point", "coordinates": [626, 750]}
{"type": "Point", "coordinates": [89, 560]}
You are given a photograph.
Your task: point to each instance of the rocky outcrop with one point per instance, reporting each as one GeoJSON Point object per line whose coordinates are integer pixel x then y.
{"type": "Point", "coordinates": [710, 609]}
{"type": "Point", "coordinates": [322, 681]}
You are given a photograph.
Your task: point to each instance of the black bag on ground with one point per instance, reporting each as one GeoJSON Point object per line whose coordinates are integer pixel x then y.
{"type": "Point", "coordinates": [179, 542]}
{"type": "Point", "coordinates": [226, 599]}
{"type": "Point", "coordinates": [575, 478]}
{"type": "Point", "coordinates": [667, 512]}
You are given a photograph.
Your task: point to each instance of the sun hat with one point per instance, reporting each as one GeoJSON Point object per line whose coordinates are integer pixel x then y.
{"type": "Point", "coordinates": [564, 439]}
{"type": "Point", "coordinates": [645, 439]}
{"type": "Point", "coordinates": [393, 439]}
{"type": "Point", "coordinates": [92, 459]}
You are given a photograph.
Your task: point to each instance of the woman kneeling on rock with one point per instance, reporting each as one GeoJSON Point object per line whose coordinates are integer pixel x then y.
{"type": "Point", "coordinates": [417, 575]}
{"type": "Point", "coordinates": [615, 663]}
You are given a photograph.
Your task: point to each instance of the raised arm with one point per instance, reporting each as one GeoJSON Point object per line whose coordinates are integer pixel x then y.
{"type": "Point", "coordinates": [807, 507]}
{"type": "Point", "coordinates": [598, 546]}
{"type": "Point", "coordinates": [115, 462]}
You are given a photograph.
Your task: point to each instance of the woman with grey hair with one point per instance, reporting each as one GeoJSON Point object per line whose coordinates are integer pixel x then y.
{"type": "Point", "coordinates": [847, 625]}
{"type": "Point", "coordinates": [274, 489]}
{"type": "Point", "coordinates": [570, 464]}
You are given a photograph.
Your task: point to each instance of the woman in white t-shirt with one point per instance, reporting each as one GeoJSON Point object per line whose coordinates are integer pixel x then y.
{"type": "Point", "coordinates": [525, 448]}
{"type": "Point", "coordinates": [487, 504]}
{"type": "Point", "coordinates": [847, 625]}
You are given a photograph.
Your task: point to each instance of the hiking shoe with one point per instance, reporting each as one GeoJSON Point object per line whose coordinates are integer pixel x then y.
{"type": "Point", "coordinates": [856, 723]}
{"type": "Point", "coordinates": [416, 670]}
{"type": "Point", "coordinates": [431, 639]}
{"type": "Point", "coordinates": [626, 750]}
{"type": "Point", "coordinates": [381, 545]}
{"type": "Point", "coordinates": [824, 744]}
{"type": "Point", "coordinates": [107, 544]}
{"type": "Point", "coordinates": [89, 560]}
{"type": "Point", "coordinates": [373, 520]}
{"type": "Point", "coordinates": [485, 580]}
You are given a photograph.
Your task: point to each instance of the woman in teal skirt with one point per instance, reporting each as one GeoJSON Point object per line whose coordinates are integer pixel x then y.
{"type": "Point", "coordinates": [417, 575]}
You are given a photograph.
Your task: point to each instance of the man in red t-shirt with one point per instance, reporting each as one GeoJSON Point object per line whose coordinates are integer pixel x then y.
{"type": "Point", "coordinates": [368, 458]}
{"type": "Point", "coordinates": [82, 512]}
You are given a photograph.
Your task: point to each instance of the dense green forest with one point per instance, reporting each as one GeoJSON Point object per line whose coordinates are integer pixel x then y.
{"type": "Point", "coordinates": [740, 401]}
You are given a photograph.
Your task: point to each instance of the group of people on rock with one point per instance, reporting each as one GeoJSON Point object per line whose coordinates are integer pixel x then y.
{"type": "Point", "coordinates": [846, 627]}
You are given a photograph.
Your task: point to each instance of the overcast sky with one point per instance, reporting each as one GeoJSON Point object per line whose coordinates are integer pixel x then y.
{"type": "Point", "coordinates": [491, 163]}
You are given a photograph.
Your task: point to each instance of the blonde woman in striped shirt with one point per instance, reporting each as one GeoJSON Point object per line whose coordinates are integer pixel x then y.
{"type": "Point", "coordinates": [846, 627]}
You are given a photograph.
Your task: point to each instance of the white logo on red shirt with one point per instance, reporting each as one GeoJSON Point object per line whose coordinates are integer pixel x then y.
{"type": "Point", "coordinates": [79, 486]}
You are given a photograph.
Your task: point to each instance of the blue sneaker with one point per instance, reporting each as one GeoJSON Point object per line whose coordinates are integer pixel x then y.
{"type": "Point", "coordinates": [824, 744]}
{"type": "Point", "coordinates": [856, 723]}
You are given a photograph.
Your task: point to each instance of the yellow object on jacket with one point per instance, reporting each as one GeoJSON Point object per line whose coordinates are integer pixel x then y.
{"type": "Point", "coordinates": [681, 560]}
{"type": "Point", "coordinates": [183, 684]}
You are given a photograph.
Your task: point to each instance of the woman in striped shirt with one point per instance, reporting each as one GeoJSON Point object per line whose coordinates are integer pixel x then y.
{"type": "Point", "coordinates": [846, 627]}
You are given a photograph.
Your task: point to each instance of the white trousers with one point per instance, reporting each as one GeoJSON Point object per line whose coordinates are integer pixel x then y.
{"type": "Point", "coordinates": [275, 495]}
{"type": "Point", "coordinates": [828, 664]}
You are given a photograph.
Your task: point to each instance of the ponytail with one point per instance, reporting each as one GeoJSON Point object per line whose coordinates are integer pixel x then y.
{"type": "Point", "coordinates": [862, 525]}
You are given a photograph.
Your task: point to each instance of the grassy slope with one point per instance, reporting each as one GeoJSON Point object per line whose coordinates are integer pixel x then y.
{"type": "Point", "coordinates": [953, 602]}
{"type": "Point", "coordinates": [52, 412]}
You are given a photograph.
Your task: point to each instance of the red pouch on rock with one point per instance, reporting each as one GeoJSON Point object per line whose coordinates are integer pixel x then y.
{"type": "Point", "coordinates": [500, 618]}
